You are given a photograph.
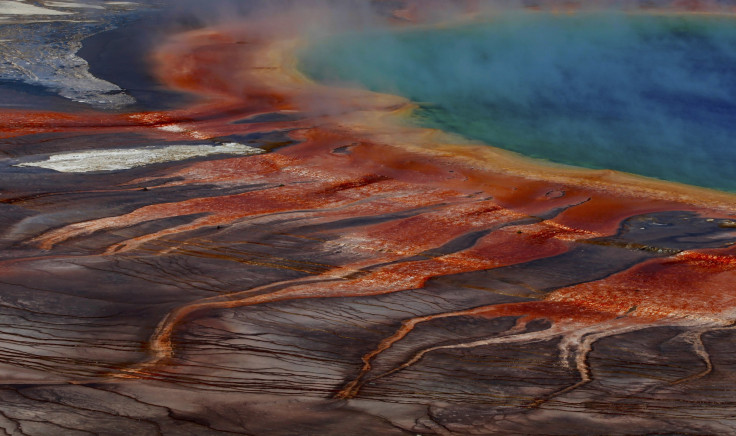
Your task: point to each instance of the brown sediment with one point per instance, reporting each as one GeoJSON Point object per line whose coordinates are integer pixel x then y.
{"type": "Point", "coordinates": [692, 289]}
{"type": "Point", "coordinates": [383, 280]}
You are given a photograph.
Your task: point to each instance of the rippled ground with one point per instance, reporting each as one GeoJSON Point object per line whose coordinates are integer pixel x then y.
{"type": "Point", "coordinates": [265, 255]}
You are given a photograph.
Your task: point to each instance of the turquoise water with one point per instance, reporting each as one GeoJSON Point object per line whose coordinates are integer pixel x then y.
{"type": "Point", "coordinates": [650, 95]}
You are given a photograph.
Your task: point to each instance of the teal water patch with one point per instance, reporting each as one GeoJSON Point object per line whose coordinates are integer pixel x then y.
{"type": "Point", "coordinates": [645, 94]}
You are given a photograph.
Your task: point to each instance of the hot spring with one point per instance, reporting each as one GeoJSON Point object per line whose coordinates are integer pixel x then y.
{"type": "Point", "coordinates": [648, 94]}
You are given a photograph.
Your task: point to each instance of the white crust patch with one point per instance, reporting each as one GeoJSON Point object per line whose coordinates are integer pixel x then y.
{"type": "Point", "coordinates": [127, 158]}
{"type": "Point", "coordinates": [17, 8]}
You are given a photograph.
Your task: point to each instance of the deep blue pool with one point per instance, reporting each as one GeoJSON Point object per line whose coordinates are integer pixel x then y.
{"type": "Point", "coordinates": [651, 95]}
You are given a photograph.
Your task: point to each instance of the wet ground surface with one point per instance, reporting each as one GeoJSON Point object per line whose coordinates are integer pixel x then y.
{"type": "Point", "coordinates": [336, 283]}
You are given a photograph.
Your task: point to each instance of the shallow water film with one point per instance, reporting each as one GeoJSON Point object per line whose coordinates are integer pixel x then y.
{"type": "Point", "coordinates": [367, 217]}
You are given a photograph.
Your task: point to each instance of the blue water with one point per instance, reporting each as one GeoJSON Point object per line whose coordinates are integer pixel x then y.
{"type": "Point", "coordinates": [650, 95]}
